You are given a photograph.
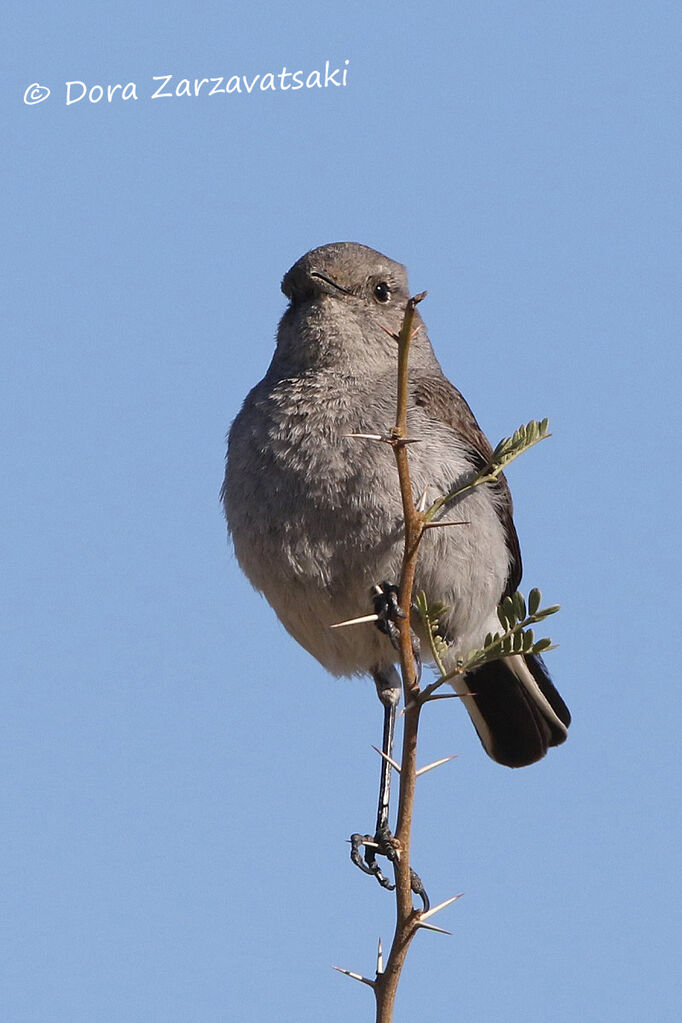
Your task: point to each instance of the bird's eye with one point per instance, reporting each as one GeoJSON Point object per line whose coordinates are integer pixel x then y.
{"type": "Point", "coordinates": [382, 292]}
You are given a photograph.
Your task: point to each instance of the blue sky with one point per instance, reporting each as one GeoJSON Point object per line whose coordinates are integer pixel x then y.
{"type": "Point", "coordinates": [178, 778]}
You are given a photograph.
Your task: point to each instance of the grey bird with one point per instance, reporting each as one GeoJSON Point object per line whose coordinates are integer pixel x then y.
{"type": "Point", "coordinates": [316, 516]}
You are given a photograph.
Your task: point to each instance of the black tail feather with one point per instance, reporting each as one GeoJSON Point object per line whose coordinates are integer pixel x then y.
{"type": "Point", "coordinates": [539, 672]}
{"type": "Point", "coordinates": [516, 709]}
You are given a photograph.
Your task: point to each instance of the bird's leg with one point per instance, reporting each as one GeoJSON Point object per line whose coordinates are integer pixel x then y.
{"type": "Point", "coordinates": [389, 688]}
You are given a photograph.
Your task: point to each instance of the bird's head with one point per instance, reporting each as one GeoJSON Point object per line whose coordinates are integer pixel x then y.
{"type": "Point", "coordinates": [345, 301]}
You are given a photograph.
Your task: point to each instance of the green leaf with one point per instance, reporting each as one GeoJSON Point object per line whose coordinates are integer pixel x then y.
{"type": "Point", "coordinates": [534, 598]}
{"type": "Point", "coordinates": [519, 606]}
{"type": "Point", "coordinates": [502, 449]}
{"type": "Point", "coordinates": [542, 644]}
{"type": "Point", "coordinates": [508, 610]}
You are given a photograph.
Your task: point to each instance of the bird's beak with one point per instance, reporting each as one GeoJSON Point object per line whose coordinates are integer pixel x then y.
{"type": "Point", "coordinates": [318, 275]}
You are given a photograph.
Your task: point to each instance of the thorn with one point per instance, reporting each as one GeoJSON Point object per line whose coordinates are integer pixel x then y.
{"type": "Point", "coordinates": [369, 436]}
{"type": "Point", "coordinates": [436, 763]}
{"type": "Point", "coordinates": [355, 976]}
{"type": "Point", "coordinates": [356, 621]}
{"type": "Point", "coordinates": [447, 696]}
{"type": "Point", "coordinates": [431, 927]}
{"type": "Point", "coordinates": [408, 706]}
{"type": "Point", "coordinates": [438, 525]}
{"type": "Point", "coordinates": [380, 958]}
{"type": "Point", "coordinates": [389, 332]}
{"type": "Point", "coordinates": [387, 758]}
{"type": "Point", "coordinates": [421, 503]}
{"type": "Point", "coordinates": [437, 909]}
{"type": "Point", "coordinates": [368, 844]}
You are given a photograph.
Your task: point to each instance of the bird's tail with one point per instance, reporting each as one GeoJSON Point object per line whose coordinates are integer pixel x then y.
{"type": "Point", "coordinates": [515, 708]}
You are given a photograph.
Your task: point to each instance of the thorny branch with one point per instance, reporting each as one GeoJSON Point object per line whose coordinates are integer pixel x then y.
{"type": "Point", "coordinates": [408, 919]}
{"type": "Point", "coordinates": [407, 922]}
{"type": "Point", "coordinates": [515, 636]}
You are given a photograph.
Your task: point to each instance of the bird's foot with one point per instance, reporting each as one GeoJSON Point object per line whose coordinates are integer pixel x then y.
{"type": "Point", "coordinates": [386, 605]}
{"type": "Point", "coordinates": [418, 889]}
{"type": "Point", "coordinates": [385, 597]}
{"type": "Point", "coordinates": [383, 843]}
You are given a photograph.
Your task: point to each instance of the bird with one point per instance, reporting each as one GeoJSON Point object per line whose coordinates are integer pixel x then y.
{"type": "Point", "coordinates": [315, 514]}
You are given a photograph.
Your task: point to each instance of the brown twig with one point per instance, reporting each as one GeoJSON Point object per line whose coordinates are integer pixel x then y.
{"type": "Point", "coordinates": [418, 519]}
{"type": "Point", "coordinates": [407, 921]}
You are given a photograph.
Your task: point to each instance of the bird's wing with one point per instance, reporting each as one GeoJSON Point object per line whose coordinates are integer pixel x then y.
{"type": "Point", "coordinates": [443, 402]}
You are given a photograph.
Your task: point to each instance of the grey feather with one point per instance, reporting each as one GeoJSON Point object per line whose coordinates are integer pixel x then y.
{"type": "Point", "coordinates": [316, 517]}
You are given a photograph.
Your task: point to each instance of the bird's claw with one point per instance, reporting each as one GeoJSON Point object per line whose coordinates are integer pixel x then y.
{"type": "Point", "coordinates": [383, 844]}
{"type": "Point", "coordinates": [418, 889]}
{"type": "Point", "coordinates": [374, 845]}
{"type": "Point", "coordinates": [387, 607]}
